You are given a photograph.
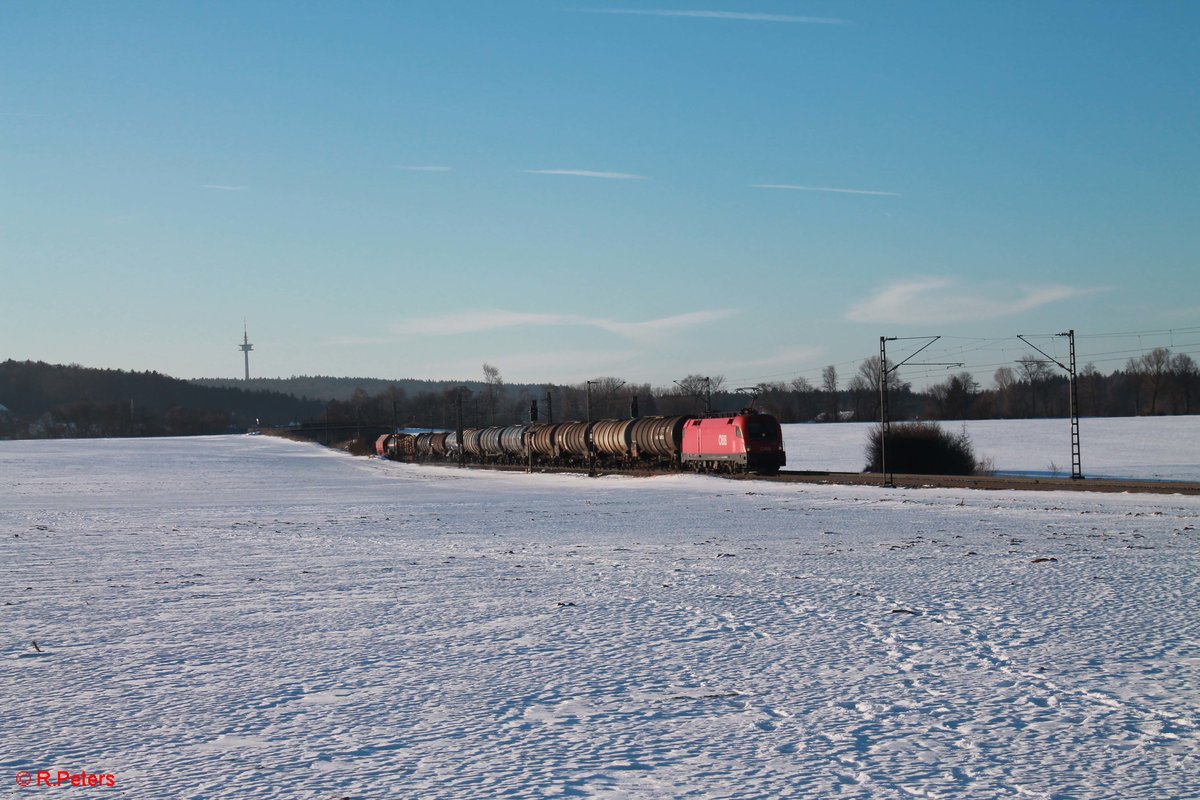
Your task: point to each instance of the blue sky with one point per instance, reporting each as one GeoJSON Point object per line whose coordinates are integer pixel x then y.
{"type": "Point", "coordinates": [568, 190]}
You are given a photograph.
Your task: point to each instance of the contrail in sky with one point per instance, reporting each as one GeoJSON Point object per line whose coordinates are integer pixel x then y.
{"type": "Point", "coordinates": [588, 173]}
{"type": "Point", "coordinates": [743, 16]}
{"type": "Point", "coordinates": [794, 188]}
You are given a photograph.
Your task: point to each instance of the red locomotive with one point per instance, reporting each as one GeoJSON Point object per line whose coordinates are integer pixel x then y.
{"type": "Point", "coordinates": [747, 441]}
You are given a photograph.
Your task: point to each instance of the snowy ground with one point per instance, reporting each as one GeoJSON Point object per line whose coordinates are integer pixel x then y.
{"type": "Point", "coordinates": [254, 618]}
{"type": "Point", "coordinates": [1163, 448]}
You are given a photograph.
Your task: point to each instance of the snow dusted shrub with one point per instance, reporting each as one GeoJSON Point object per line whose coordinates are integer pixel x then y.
{"type": "Point", "coordinates": [359, 446]}
{"type": "Point", "coordinates": [922, 448]}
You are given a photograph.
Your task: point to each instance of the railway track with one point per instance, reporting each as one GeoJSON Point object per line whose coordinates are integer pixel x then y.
{"type": "Point", "coordinates": [906, 481]}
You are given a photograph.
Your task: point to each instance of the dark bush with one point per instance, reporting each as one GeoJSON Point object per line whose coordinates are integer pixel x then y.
{"type": "Point", "coordinates": [359, 446]}
{"type": "Point", "coordinates": [922, 448]}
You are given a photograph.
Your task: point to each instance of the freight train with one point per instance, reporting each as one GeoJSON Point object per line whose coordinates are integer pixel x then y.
{"type": "Point", "coordinates": [748, 441]}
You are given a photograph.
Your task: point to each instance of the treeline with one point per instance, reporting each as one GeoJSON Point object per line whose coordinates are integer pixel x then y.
{"type": "Point", "coordinates": [39, 400]}
{"type": "Point", "coordinates": [1158, 382]}
{"type": "Point", "coordinates": [483, 404]}
{"type": "Point", "coordinates": [326, 387]}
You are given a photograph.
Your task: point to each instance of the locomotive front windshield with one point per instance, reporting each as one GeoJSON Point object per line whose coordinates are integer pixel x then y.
{"type": "Point", "coordinates": [761, 430]}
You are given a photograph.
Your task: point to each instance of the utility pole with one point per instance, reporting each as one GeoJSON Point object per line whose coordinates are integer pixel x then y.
{"type": "Point", "coordinates": [462, 449]}
{"type": "Point", "coordinates": [608, 403]}
{"type": "Point", "coordinates": [1076, 459]}
{"type": "Point", "coordinates": [591, 448]}
{"type": "Point", "coordinates": [533, 418]}
{"type": "Point", "coordinates": [885, 423]}
{"type": "Point", "coordinates": [707, 396]}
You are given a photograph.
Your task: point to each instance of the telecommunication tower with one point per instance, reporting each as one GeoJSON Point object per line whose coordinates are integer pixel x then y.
{"type": "Point", "coordinates": [246, 347]}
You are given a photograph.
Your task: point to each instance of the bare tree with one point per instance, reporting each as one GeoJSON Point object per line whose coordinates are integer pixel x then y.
{"type": "Point", "coordinates": [864, 401]}
{"type": "Point", "coordinates": [1006, 389]}
{"type": "Point", "coordinates": [493, 389]}
{"type": "Point", "coordinates": [1185, 377]}
{"type": "Point", "coordinates": [829, 385]}
{"type": "Point", "coordinates": [1155, 368]}
{"type": "Point", "coordinates": [805, 395]}
{"type": "Point", "coordinates": [1092, 382]}
{"type": "Point", "coordinates": [868, 370]}
{"type": "Point", "coordinates": [1133, 371]}
{"type": "Point", "coordinates": [774, 398]}
{"type": "Point", "coordinates": [604, 392]}
{"type": "Point", "coordinates": [701, 387]}
{"type": "Point", "coordinates": [1034, 372]}
{"type": "Point", "coordinates": [864, 387]}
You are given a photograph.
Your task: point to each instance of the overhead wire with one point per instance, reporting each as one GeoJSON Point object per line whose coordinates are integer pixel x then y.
{"type": "Point", "coordinates": [965, 350]}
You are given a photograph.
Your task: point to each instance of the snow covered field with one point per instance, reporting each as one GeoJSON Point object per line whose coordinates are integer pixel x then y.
{"type": "Point", "coordinates": [1162, 448]}
{"type": "Point", "coordinates": [246, 617]}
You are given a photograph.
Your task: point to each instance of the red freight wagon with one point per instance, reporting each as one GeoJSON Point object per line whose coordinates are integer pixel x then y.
{"type": "Point", "coordinates": [746, 441]}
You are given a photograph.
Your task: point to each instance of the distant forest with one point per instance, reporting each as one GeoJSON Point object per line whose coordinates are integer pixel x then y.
{"type": "Point", "coordinates": [40, 400]}
{"type": "Point", "coordinates": [326, 388]}
{"type": "Point", "coordinates": [1157, 382]}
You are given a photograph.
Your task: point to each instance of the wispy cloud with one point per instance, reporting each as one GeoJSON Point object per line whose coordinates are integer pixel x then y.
{"type": "Point", "coordinates": [663, 325]}
{"type": "Point", "coordinates": [421, 168]}
{"type": "Point", "coordinates": [933, 300]}
{"type": "Point", "coordinates": [481, 321]}
{"type": "Point", "coordinates": [741, 16]}
{"type": "Point", "coordinates": [588, 173]}
{"type": "Point", "coordinates": [222, 187]}
{"type": "Point", "coordinates": [795, 188]}
{"type": "Point", "coordinates": [351, 340]}
{"type": "Point", "coordinates": [1181, 313]}
{"type": "Point", "coordinates": [462, 322]}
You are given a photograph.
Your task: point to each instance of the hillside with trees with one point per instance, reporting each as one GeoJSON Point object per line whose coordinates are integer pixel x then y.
{"type": "Point", "coordinates": [57, 401]}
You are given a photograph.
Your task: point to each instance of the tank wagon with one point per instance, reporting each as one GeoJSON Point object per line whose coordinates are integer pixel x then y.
{"type": "Point", "coordinates": [659, 439]}
{"type": "Point", "coordinates": [541, 440]}
{"type": "Point", "coordinates": [395, 445]}
{"type": "Point", "coordinates": [512, 441]}
{"type": "Point", "coordinates": [572, 442]}
{"type": "Point", "coordinates": [744, 442]}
